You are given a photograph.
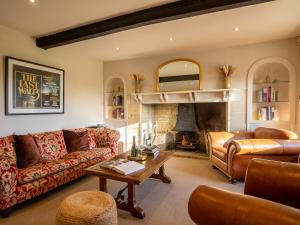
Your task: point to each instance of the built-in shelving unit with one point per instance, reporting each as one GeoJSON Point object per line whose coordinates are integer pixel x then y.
{"type": "Point", "coordinates": [115, 106]}
{"type": "Point", "coordinates": [271, 94]}
{"type": "Point", "coordinates": [193, 96]}
{"type": "Point", "coordinates": [114, 98]}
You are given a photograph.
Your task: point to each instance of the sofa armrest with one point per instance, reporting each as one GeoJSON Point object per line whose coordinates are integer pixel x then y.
{"type": "Point", "coordinates": [223, 139]}
{"type": "Point", "coordinates": [266, 147]}
{"type": "Point", "coordinates": [275, 181]}
{"type": "Point", "coordinates": [8, 181]}
{"type": "Point", "coordinates": [212, 206]}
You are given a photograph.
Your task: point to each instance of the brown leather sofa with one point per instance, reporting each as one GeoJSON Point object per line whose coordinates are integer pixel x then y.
{"type": "Point", "coordinates": [271, 196]}
{"type": "Point", "coordinates": [231, 152]}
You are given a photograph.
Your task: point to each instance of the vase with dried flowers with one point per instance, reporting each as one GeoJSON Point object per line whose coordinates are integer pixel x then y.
{"type": "Point", "coordinates": [227, 70]}
{"type": "Point", "coordinates": [137, 82]}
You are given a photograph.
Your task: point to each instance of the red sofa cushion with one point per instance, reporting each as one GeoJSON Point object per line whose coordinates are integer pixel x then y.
{"type": "Point", "coordinates": [51, 145]}
{"type": "Point", "coordinates": [84, 156]}
{"type": "Point", "coordinates": [44, 169]}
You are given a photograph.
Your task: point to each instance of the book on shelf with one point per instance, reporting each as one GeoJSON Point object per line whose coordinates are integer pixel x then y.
{"type": "Point", "coordinates": [267, 94]}
{"type": "Point", "coordinates": [118, 113]}
{"type": "Point", "coordinates": [117, 100]}
{"type": "Point", "coordinates": [267, 113]}
{"type": "Point", "coordinates": [122, 166]}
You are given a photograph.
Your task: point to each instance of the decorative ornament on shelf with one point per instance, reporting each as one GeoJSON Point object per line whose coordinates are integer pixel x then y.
{"type": "Point", "coordinates": [227, 70]}
{"type": "Point", "coordinates": [137, 82]}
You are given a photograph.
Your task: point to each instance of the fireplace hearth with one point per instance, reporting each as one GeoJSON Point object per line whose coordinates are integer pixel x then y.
{"type": "Point", "coordinates": [187, 140]}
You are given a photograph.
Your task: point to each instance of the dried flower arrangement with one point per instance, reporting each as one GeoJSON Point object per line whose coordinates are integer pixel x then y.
{"type": "Point", "coordinates": [137, 82]}
{"type": "Point", "coordinates": [137, 77]}
{"type": "Point", "coordinates": [226, 70]}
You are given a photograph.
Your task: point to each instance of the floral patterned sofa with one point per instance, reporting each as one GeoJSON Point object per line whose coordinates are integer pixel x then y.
{"type": "Point", "coordinates": [56, 167]}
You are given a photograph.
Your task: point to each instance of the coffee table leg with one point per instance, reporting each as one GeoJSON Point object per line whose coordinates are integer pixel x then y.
{"type": "Point", "coordinates": [102, 184]}
{"type": "Point", "coordinates": [161, 175]}
{"type": "Point", "coordinates": [130, 205]}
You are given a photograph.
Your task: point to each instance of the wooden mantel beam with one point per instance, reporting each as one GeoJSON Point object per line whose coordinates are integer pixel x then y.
{"type": "Point", "coordinates": [167, 12]}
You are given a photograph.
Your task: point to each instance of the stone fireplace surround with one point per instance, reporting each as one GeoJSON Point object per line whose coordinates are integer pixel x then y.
{"type": "Point", "coordinates": [160, 121]}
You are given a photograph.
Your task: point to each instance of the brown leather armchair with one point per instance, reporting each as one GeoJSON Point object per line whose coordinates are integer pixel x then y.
{"type": "Point", "coordinates": [231, 152]}
{"type": "Point", "coordinates": [271, 196]}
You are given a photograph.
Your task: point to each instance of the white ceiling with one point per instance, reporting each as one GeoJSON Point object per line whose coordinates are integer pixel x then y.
{"type": "Point", "coordinates": [258, 23]}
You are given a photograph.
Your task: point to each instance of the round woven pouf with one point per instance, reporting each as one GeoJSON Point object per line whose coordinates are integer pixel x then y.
{"type": "Point", "coordinates": [87, 208]}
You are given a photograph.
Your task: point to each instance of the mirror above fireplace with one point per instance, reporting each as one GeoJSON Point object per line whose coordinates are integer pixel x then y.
{"type": "Point", "coordinates": [179, 75]}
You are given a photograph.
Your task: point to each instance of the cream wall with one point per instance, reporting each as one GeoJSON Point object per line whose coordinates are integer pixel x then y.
{"type": "Point", "coordinates": [242, 57]}
{"type": "Point", "coordinates": [83, 86]}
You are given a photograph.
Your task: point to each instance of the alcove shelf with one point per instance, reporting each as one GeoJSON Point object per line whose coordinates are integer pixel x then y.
{"type": "Point", "coordinates": [114, 100]}
{"type": "Point", "coordinates": [271, 94]}
{"type": "Point", "coordinates": [192, 96]}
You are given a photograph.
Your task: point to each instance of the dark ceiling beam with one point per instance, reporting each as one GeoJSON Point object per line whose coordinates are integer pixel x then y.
{"type": "Point", "coordinates": [158, 14]}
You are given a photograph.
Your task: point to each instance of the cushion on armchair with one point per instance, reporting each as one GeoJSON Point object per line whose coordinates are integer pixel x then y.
{"type": "Point", "coordinates": [272, 133]}
{"type": "Point", "coordinates": [51, 145]}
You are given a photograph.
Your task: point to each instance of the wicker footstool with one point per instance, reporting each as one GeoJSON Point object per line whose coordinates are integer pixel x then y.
{"type": "Point", "coordinates": [87, 207]}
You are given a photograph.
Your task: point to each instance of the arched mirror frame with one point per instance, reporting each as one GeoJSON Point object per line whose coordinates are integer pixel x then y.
{"type": "Point", "coordinates": [176, 60]}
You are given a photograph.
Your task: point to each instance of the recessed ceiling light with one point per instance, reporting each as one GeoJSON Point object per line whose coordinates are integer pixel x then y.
{"type": "Point", "coordinates": [32, 1]}
{"type": "Point", "coordinates": [117, 48]}
{"type": "Point", "coordinates": [171, 39]}
{"type": "Point", "coordinates": [236, 29]}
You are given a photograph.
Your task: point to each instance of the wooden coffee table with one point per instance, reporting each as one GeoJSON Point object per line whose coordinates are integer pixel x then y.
{"type": "Point", "coordinates": [154, 168]}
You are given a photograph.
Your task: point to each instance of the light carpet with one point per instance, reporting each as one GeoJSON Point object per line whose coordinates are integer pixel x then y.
{"type": "Point", "coordinates": [164, 204]}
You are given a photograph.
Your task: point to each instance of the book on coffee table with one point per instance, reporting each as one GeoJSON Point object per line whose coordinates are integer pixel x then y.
{"type": "Point", "coordinates": [150, 150]}
{"type": "Point", "coordinates": [122, 166]}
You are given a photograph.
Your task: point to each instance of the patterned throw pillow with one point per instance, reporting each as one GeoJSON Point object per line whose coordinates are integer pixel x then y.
{"type": "Point", "coordinates": [102, 137]}
{"type": "Point", "coordinates": [51, 145]}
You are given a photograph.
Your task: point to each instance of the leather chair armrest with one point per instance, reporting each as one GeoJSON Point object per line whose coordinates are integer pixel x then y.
{"type": "Point", "coordinates": [212, 206]}
{"type": "Point", "coordinates": [275, 181]}
{"type": "Point", "coordinates": [267, 147]}
{"type": "Point", "coordinates": [223, 139]}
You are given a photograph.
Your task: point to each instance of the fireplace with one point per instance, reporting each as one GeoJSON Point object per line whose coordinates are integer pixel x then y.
{"type": "Point", "coordinates": [183, 126]}
{"type": "Point", "coordinates": [186, 128]}
{"type": "Point", "coordinates": [193, 121]}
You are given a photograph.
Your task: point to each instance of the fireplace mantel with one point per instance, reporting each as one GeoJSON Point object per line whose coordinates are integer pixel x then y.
{"type": "Point", "coordinates": [192, 96]}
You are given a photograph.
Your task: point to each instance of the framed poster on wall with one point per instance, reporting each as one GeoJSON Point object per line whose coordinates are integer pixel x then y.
{"type": "Point", "coordinates": [32, 88]}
